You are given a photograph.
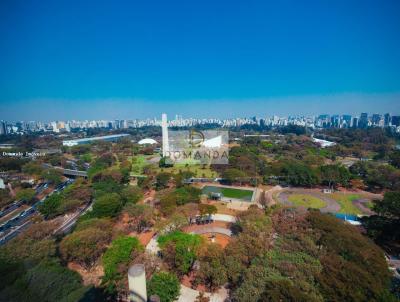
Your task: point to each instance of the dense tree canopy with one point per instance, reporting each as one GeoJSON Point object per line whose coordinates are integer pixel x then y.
{"type": "Point", "coordinates": [165, 285]}
{"type": "Point", "coordinates": [26, 194]}
{"type": "Point", "coordinates": [47, 281]}
{"type": "Point", "coordinates": [29, 270]}
{"type": "Point", "coordinates": [311, 257]}
{"type": "Point", "coordinates": [140, 216]}
{"type": "Point", "coordinates": [85, 246]}
{"type": "Point", "coordinates": [178, 197]}
{"type": "Point", "coordinates": [384, 227]}
{"type": "Point", "coordinates": [107, 205]}
{"type": "Point", "coordinates": [116, 259]}
{"type": "Point", "coordinates": [162, 180]}
{"type": "Point", "coordinates": [179, 250]}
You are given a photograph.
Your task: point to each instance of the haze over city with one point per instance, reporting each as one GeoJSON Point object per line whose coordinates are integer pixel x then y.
{"type": "Point", "coordinates": [61, 109]}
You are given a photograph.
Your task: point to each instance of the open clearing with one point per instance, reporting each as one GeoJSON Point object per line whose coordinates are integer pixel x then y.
{"type": "Point", "coordinates": [138, 164]}
{"type": "Point", "coordinates": [307, 201]}
{"type": "Point", "coordinates": [346, 203]}
{"type": "Point", "coordinates": [350, 203]}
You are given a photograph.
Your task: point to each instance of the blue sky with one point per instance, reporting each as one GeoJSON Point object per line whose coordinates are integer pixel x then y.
{"type": "Point", "coordinates": [109, 59]}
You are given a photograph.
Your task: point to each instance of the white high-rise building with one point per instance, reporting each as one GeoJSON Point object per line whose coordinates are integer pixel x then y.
{"type": "Point", "coordinates": [54, 126]}
{"type": "Point", "coordinates": [164, 125]}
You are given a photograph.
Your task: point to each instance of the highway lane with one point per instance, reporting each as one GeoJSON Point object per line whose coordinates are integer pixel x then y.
{"type": "Point", "coordinates": [20, 222]}
{"type": "Point", "coordinates": [66, 172]}
{"type": "Point", "coordinates": [67, 225]}
{"type": "Point", "coordinates": [10, 208]}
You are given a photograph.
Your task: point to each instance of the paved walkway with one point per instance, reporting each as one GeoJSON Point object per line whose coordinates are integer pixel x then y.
{"type": "Point", "coordinates": [211, 229]}
{"type": "Point", "coordinates": [269, 195]}
{"type": "Point", "coordinates": [223, 217]}
{"type": "Point", "coordinates": [152, 247]}
{"type": "Point", "coordinates": [190, 295]}
{"type": "Point", "coordinates": [360, 203]}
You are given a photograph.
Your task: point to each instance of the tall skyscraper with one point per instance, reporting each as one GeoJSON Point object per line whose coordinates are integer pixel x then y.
{"type": "Point", "coordinates": [363, 122]}
{"type": "Point", "coordinates": [165, 143]}
{"type": "Point", "coordinates": [3, 128]}
{"type": "Point", "coordinates": [396, 120]}
{"type": "Point", "coordinates": [335, 121]}
{"type": "Point", "coordinates": [324, 121]}
{"type": "Point", "coordinates": [355, 122]}
{"type": "Point", "coordinates": [376, 118]}
{"type": "Point", "coordinates": [346, 120]}
{"type": "Point", "coordinates": [54, 127]}
{"type": "Point", "coordinates": [387, 119]}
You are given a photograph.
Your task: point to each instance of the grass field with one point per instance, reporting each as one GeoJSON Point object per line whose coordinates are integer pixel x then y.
{"type": "Point", "coordinates": [346, 203]}
{"type": "Point", "coordinates": [229, 192]}
{"type": "Point", "coordinates": [138, 163]}
{"type": "Point", "coordinates": [307, 201]}
{"type": "Point", "coordinates": [370, 204]}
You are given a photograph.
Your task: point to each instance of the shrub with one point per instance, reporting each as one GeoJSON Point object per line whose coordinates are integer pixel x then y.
{"type": "Point", "coordinates": [85, 246]}
{"type": "Point", "coordinates": [179, 250]}
{"type": "Point", "coordinates": [107, 205]}
{"type": "Point", "coordinates": [116, 259]}
{"type": "Point", "coordinates": [165, 285]}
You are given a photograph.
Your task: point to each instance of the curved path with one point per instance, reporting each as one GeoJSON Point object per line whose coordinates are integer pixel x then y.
{"type": "Point", "coordinates": [210, 229]}
{"type": "Point", "coordinates": [224, 218]}
{"type": "Point", "coordinates": [331, 205]}
{"type": "Point", "coordinates": [360, 203]}
{"type": "Point", "coordinates": [153, 247]}
{"type": "Point", "coordinates": [189, 295]}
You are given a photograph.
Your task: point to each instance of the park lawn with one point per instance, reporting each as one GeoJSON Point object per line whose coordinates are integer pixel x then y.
{"type": "Point", "coordinates": [346, 203]}
{"type": "Point", "coordinates": [230, 192]}
{"type": "Point", "coordinates": [237, 193]}
{"type": "Point", "coordinates": [370, 204]}
{"type": "Point", "coordinates": [307, 201]}
{"type": "Point", "coordinates": [138, 164]}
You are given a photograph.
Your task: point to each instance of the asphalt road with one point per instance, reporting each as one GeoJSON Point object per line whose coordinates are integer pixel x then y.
{"type": "Point", "coordinates": [18, 223]}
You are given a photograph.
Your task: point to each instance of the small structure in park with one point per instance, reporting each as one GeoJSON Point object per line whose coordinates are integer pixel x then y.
{"type": "Point", "coordinates": [147, 141]}
{"type": "Point", "coordinates": [203, 219]}
{"type": "Point", "coordinates": [215, 196]}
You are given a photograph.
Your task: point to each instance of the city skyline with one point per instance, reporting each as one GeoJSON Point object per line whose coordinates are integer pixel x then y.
{"type": "Point", "coordinates": [363, 120]}
{"type": "Point", "coordinates": [110, 109]}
